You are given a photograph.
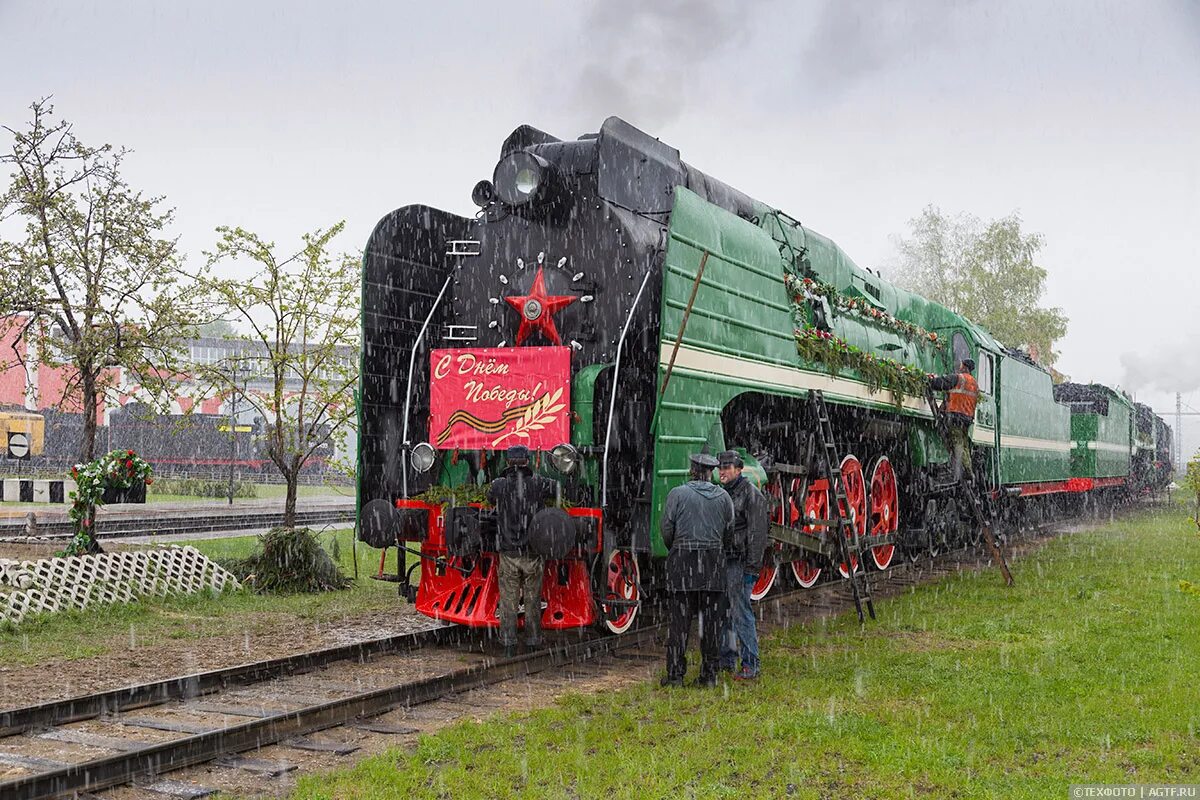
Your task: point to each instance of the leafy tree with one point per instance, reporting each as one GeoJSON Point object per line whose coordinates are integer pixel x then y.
{"type": "Point", "coordinates": [1191, 480]}
{"type": "Point", "coordinates": [297, 365]}
{"type": "Point", "coordinates": [987, 272]}
{"type": "Point", "coordinates": [91, 284]}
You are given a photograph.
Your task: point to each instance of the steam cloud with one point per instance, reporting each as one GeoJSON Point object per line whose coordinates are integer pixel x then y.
{"type": "Point", "coordinates": [644, 60]}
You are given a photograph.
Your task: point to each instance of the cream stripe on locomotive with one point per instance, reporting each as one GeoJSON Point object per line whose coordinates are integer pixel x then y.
{"type": "Point", "coordinates": [756, 373]}
{"type": "Point", "coordinates": [1115, 448]}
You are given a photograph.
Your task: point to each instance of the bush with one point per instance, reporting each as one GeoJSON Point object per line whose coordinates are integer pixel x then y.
{"type": "Point", "coordinates": [199, 487]}
{"type": "Point", "coordinates": [289, 562]}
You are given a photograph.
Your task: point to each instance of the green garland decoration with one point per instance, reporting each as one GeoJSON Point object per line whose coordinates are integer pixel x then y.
{"type": "Point", "coordinates": [802, 288]}
{"type": "Point", "coordinates": [878, 373]}
{"type": "Point", "coordinates": [120, 469]}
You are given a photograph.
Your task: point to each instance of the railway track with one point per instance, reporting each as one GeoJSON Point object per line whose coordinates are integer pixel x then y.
{"type": "Point", "coordinates": [89, 743]}
{"type": "Point", "coordinates": [173, 523]}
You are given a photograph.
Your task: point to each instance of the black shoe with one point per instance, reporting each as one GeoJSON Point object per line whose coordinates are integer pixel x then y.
{"type": "Point", "coordinates": [669, 681]}
{"type": "Point", "coordinates": [705, 683]}
{"type": "Point", "coordinates": [510, 651]}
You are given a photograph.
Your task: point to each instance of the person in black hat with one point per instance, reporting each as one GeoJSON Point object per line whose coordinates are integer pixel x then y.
{"type": "Point", "coordinates": [697, 525]}
{"type": "Point", "coordinates": [743, 562]}
{"type": "Point", "coordinates": [962, 395]}
{"type": "Point", "coordinates": [517, 495]}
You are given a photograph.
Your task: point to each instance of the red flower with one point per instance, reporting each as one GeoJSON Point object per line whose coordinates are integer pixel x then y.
{"type": "Point", "coordinates": [129, 452]}
{"type": "Point", "coordinates": [129, 464]}
{"type": "Point", "coordinates": [149, 481]}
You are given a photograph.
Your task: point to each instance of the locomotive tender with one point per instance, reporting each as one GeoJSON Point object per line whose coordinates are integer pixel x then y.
{"type": "Point", "coordinates": [616, 309]}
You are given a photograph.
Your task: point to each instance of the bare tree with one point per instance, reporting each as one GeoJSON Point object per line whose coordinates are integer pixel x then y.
{"type": "Point", "coordinates": [92, 283]}
{"type": "Point", "coordinates": [297, 366]}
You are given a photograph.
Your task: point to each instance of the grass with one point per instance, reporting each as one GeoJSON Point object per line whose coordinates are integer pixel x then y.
{"type": "Point", "coordinates": [1085, 671]}
{"type": "Point", "coordinates": [72, 635]}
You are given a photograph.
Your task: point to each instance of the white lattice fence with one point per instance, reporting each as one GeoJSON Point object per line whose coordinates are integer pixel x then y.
{"type": "Point", "coordinates": [49, 585]}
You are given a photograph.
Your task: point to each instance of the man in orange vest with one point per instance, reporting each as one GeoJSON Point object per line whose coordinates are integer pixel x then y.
{"type": "Point", "coordinates": [963, 394]}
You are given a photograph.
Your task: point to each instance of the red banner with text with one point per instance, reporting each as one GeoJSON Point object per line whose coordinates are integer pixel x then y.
{"type": "Point", "coordinates": [493, 398]}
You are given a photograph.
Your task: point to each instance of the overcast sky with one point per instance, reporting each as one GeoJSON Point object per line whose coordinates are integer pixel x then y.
{"type": "Point", "coordinates": [284, 117]}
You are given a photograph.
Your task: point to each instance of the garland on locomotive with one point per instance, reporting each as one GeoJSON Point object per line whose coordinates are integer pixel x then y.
{"type": "Point", "coordinates": [614, 309]}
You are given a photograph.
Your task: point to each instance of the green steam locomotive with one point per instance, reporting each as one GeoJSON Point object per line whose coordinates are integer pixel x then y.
{"type": "Point", "coordinates": [616, 309]}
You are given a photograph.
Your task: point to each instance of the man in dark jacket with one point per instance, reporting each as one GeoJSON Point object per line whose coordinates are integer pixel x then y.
{"type": "Point", "coordinates": [517, 495]}
{"type": "Point", "coordinates": [743, 562]}
{"type": "Point", "coordinates": [697, 525]}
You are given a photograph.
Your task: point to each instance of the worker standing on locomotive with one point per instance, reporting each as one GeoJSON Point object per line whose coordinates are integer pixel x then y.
{"type": "Point", "coordinates": [743, 562]}
{"type": "Point", "coordinates": [697, 525]}
{"type": "Point", "coordinates": [517, 495]}
{"type": "Point", "coordinates": [963, 394]}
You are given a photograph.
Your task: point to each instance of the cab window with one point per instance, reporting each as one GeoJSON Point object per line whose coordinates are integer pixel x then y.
{"type": "Point", "coordinates": [960, 349]}
{"type": "Point", "coordinates": [984, 373]}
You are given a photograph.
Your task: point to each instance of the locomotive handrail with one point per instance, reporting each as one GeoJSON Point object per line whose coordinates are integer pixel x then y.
{"type": "Point", "coordinates": [412, 363]}
{"type": "Point", "coordinates": [612, 395]}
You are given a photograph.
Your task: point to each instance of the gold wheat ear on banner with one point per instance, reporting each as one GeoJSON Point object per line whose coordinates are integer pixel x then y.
{"type": "Point", "coordinates": [540, 413]}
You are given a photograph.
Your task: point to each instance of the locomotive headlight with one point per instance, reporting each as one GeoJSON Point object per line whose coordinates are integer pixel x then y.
{"type": "Point", "coordinates": [422, 457]}
{"type": "Point", "coordinates": [521, 178]}
{"type": "Point", "coordinates": [564, 457]}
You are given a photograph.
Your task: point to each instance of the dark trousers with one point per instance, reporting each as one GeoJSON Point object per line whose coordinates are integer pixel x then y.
{"type": "Point", "coordinates": [960, 452]}
{"type": "Point", "coordinates": [520, 575]}
{"type": "Point", "coordinates": [684, 608]}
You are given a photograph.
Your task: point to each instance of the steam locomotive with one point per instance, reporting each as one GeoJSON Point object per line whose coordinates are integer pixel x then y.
{"type": "Point", "coordinates": [615, 309]}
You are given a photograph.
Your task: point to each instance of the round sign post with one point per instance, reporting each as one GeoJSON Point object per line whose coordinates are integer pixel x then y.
{"type": "Point", "coordinates": [18, 445]}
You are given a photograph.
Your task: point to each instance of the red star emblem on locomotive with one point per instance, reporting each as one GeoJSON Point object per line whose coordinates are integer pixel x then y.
{"type": "Point", "coordinates": [537, 310]}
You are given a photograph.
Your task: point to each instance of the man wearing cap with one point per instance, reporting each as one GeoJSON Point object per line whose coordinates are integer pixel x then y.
{"type": "Point", "coordinates": [743, 562]}
{"type": "Point", "coordinates": [963, 394]}
{"type": "Point", "coordinates": [517, 495]}
{"type": "Point", "coordinates": [697, 525]}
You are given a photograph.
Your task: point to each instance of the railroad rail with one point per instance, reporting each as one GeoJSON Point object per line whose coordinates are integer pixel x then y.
{"type": "Point", "coordinates": [205, 739]}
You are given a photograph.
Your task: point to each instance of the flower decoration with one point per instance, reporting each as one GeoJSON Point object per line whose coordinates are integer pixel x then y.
{"type": "Point", "coordinates": [120, 469]}
{"type": "Point", "coordinates": [806, 288]}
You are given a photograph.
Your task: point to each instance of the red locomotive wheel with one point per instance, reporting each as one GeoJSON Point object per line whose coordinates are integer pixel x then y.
{"type": "Point", "coordinates": [770, 568]}
{"type": "Point", "coordinates": [856, 496]}
{"type": "Point", "coordinates": [816, 504]}
{"type": "Point", "coordinates": [623, 582]}
{"type": "Point", "coordinates": [885, 509]}
{"type": "Point", "coordinates": [766, 576]}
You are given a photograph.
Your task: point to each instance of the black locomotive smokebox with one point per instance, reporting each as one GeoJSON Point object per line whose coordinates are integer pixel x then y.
{"type": "Point", "coordinates": [552, 533]}
{"type": "Point", "coordinates": [377, 524]}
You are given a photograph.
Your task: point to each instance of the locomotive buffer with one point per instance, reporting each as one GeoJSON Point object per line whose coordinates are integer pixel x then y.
{"type": "Point", "coordinates": [968, 491]}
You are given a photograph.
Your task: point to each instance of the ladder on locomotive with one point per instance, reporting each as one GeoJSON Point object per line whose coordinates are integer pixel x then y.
{"type": "Point", "coordinates": [967, 489]}
{"type": "Point", "coordinates": [826, 455]}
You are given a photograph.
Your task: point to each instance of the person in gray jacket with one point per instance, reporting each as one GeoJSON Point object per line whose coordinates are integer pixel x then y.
{"type": "Point", "coordinates": [743, 562]}
{"type": "Point", "coordinates": [697, 526]}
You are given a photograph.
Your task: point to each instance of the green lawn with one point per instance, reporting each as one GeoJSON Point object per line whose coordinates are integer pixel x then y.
{"type": "Point", "coordinates": [60, 637]}
{"type": "Point", "coordinates": [1086, 670]}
